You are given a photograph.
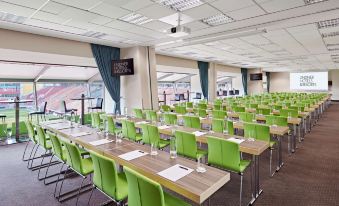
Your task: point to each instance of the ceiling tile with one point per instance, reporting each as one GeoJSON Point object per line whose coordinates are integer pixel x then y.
{"type": "Point", "coordinates": [117, 24]}
{"type": "Point", "coordinates": [53, 7]}
{"type": "Point", "coordinates": [278, 5]}
{"type": "Point", "coordinates": [196, 25]}
{"type": "Point", "coordinates": [118, 3]}
{"type": "Point", "coordinates": [245, 13]}
{"type": "Point", "coordinates": [82, 4]}
{"type": "Point", "coordinates": [201, 12]}
{"type": "Point", "coordinates": [157, 25]}
{"type": "Point", "coordinates": [14, 9]}
{"type": "Point", "coordinates": [136, 5]}
{"type": "Point", "coordinates": [101, 20]}
{"type": "Point", "coordinates": [155, 11]}
{"type": "Point", "coordinates": [109, 10]}
{"type": "Point", "coordinates": [77, 14]}
{"type": "Point", "coordinates": [81, 24]}
{"type": "Point", "coordinates": [173, 19]}
{"type": "Point", "coordinates": [41, 15]}
{"type": "Point", "coordinates": [232, 5]}
{"type": "Point", "coordinates": [34, 4]}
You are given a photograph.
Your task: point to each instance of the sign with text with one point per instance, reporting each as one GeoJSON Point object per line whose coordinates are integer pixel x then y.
{"type": "Point", "coordinates": [309, 81]}
{"type": "Point", "coordinates": [122, 67]}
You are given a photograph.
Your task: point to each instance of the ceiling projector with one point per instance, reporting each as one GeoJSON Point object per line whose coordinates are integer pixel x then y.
{"type": "Point", "coordinates": [179, 31]}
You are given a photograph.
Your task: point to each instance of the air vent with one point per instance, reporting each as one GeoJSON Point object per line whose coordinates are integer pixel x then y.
{"type": "Point", "coordinates": [313, 1]}
{"type": "Point", "coordinates": [94, 34]}
{"type": "Point", "coordinates": [331, 34]}
{"type": "Point", "coordinates": [12, 18]}
{"type": "Point", "coordinates": [180, 5]}
{"type": "Point", "coordinates": [217, 20]}
{"type": "Point", "coordinates": [328, 23]}
{"type": "Point", "coordinates": [135, 18]}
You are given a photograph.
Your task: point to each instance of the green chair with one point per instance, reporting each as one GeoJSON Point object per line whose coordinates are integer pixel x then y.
{"type": "Point", "coordinates": [189, 104]}
{"type": "Point", "coordinates": [226, 155]}
{"type": "Point", "coordinates": [96, 122]}
{"type": "Point", "coordinates": [263, 111]}
{"type": "Point", "coordinates": [112, 129]}
{"type": "Point", "coordinates": [219, 114]}
{"type": "Point", "coordinates": [151, 115]}
{"type": "Point", "coordinates": [82, 166]}
{"type": "Point", "coordinates": [170, 119]}
{"type": "Point", "coordinates": [129, 131]}
{"type": "Point", "coordinates": [22, 128]}
{"type": "Point", "coordinates": [218, 125]}
{"type": "Point", "coordinates": [31, 136]}
{"type": "Point", "coordinates": [217, 106]}
{"type": "Point", "coordinates": [238, 109]}
{"type": "Point", "coordinates": [230, 127]}
{"type": "Point", "coordinates": [165, 108]}
{"type": "Point", "coordinates": [187, 146]}
{"type": "Point", "coordinates": [143, 191]}
{"type": "Point", "coordinates": [260, 132]}
{"type": "Point", "coordinates": [277, 107]}
{"type": "Point", "coordinates": [201, 113]}
{"type": "Point", "coordinates": [107, 179]}
{"type": "Point", "coordinates": [180, 110]}
{"type": "Point", "coordinates": [276, 120]}
{"type": "Point", "coordinates": [87, 119]}
{"type": "Point", "coordinates": [202, 106]}
{"type": "Point", "coordinates": [138, 113]}
{"type": "Point", "coordinates": [289, 113]}
{"type": "Point", "coordinates": [151, 135]}
{"type": "Point", "coordinates": [247, 117]}
{"type": "Point", "coordinates": [192, 122]}
{"type": "Point", "coordinates": [3, 131]}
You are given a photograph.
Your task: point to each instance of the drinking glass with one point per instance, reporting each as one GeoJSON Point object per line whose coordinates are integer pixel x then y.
{"type": "Point", "coordinates": [200, 167]}
{"type": "Point", "coordinates": [125, 111]}
{"type": "Point", "coordinates": [9, 134]}
{"type": "Point", "coordinates": [173, 148]}
{"type": "Point", "coordinates": [118, 137]}
{"type": "Point", "coordinates": [154, 149]}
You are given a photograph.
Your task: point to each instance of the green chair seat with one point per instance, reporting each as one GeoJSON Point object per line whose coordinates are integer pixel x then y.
{"type": "Point", "coordinates": [201, 153]}
{"type": "Point", "coordinates": [243, 165]}
{"type": "Point", "coordinates": [87, 166]}
{"type": "Point", "coordinates": [123, 188]}
{"type": "Point", "coordinates": [138, 137]}
{"type": "Point", "coordinates": [170, 200]}
{"type": "Point", "coordinates": [163, 143]}
{"type": "Point", "coordinates": [272, 143]}
{"type": "Point", "coordinates": [48, 145]}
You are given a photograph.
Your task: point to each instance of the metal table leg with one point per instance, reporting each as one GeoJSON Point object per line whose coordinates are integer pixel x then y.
{"type": "Point", "coordinates": [256, 191]}
{"type": "Point", "coordinates": [17, 129]}
{"type": "Point", "coordinates": [280, 161]}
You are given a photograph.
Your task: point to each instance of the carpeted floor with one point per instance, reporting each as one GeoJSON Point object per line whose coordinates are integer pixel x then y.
{"type": "Point", "coordinates": [309, 177]}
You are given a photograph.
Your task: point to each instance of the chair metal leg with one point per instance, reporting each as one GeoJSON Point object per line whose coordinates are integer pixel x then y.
{"type": "Point", "coordinates": [42, 160]}
{"type": "Point", "coordinates": [56, 184]}
{"type": "Point", "coordinates": [271, 153]}
{"type": "Point", "coordinates": [241, 180]}
{"type": "Point", "coordinates": [62, 182]}
{"type": "Point", "coordinates": [32, 159]}
{"type": "Point", "coordinates": [82, 182]}
{"type": "Point", "coordinates": [90, 196]}
{"type": "Point", "coordinates": [23, 155]}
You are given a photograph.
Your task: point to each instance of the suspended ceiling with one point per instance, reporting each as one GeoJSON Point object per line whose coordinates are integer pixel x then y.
{"type": "Point", "coordinates": [276, 35]}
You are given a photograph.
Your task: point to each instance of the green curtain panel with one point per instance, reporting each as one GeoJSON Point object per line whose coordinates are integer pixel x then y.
{"type": "Point", "coordinates": [244, 79]}
{"type": "Point", "coordinates": [268, 75]}
{"type": "Point", "coordinates": [203, 72]}
{"type": "Point", "coordinates": [103, 56]}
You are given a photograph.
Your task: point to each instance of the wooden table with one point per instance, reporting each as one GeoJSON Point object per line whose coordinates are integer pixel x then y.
{"type": "Point", "coordinates": [17, 103]}
{"type": "Point", "coordinates": [82, 99]}
{"type": "Point", "coordinates": [255, 148]}
{"type": "Point", "coordinates": [197, 187]}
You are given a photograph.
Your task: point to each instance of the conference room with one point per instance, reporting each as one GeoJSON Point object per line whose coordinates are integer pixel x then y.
{"type": "Point", "coordinates": [169, 102]}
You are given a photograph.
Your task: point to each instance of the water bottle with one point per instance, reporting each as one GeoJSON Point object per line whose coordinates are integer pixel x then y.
{"type": "Point", "coordinates": [173, 148]}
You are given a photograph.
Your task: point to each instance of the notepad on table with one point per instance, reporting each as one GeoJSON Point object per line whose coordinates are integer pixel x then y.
{"type": "Point", "coordinates": [79, 134]}
{"type": "Point", "coordinates": [100, 142]}
{"type": "Point", "coordinates": [164, 127]}
{"type": "Point", "coordinates": [235, 139]}
{"type": "Point", "coordinates": [133, 155]}
{"type": "Point", "coordinates": [175, 172]}
{"type": "Point", "coordinates": [198, 133]}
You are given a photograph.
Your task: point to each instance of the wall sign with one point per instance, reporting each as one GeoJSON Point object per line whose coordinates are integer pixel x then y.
{"type": "Point", "coordinates": [309, 81]}
{"type": "Point", "coordinates": [122, 67]}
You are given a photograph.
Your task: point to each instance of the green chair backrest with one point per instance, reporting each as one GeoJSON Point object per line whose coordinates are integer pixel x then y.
{"type": "Point", "coordinates": [111, 125]}
{"type": "Point", "coordinates": [189, 104]}
{"type": "Point", "coordinates": [238, 109]}
{"type": "Point", "coordinates": [192, 122]}
{"type": "Point", "coordinates": [217, 106]}
{"type": "Point", "coordinates": [289, 112]}
{"type": "Point", "coordinates": [257, 131]}
{"type": "Point", "coordinates": [263, 111]}
{"type": "Point", "coordinates": [151, 115]}
{"type": "Point", "coordinates": [124, 128]}
{"type": "Point", "coordinates": [96, 120]}
{"type": "Point", "coordinates": [230, 127]}
{"type": "Point", "coordinates": [276, 120]}
{"type": "Point", "coordinates": [277, 107]}
{"type": "Point", "coordinates": [218, 125]}
{"type": "Point", "coordinates": [253, 105]}
{"type": "Point", "coordinates": [186, 144]}
{"type": "Point", "coordinates": [138, 113]}
{"type": "Point", "coordinates": [22, 128]}
{"type": "Point", "coordinates": [170, 118]}
{"type": "Point", "coordinates": [73, 156]}
{"type": "Point", "coordinates": [180, 109]}
{"type": "Point", "coordinates": [202, 106]}
{"type": "Point", "coordinates": [3, 130]}
{"type": "Point", "coordinates": [87, 118]}
{"type": "Point", "coordinates": [41, 137]}
{"type": "Point", "coordinates": [150, 134]}
{"type": "Point", "coordinates": [30, 129]}
{"type": "Point", "coordinates": [143, 191]}
{"type": "Point", "coordinates": [219, 114]}
{"type": "Point", "coordinates": [131, 130]}
{"type": "Point", "coordinates": [105, 175]}
{"type": "Point", "coordinates": [166, 108]}
{"type": "Point", "coordinates": [246, 116]}
{"type": "Point", "coordinates": [56, 145]}
{"type": "Point", "coordinates": [223, 153]}
{"type": "Point", "coordinates": [202, 113]}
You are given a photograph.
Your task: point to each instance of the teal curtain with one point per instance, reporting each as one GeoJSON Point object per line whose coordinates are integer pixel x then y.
{"type": "Point", "coordinates": [244, 79]}
{"type": "Point", "coordinates": [268, 77]}
{"type": "Point", "coordinates": [103, 56]}
{"type": "Point", "coordinates": [203, 72]}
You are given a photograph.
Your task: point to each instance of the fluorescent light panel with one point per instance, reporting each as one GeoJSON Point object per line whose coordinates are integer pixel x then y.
{"type": "Point", "coordinates": [93, 34]}
{"type": "Point", "coordinates": [217, 20]}
{"type": "Point", "coordinates": [331, 34]}
{"type": "Point", "coordinates": [328, 23]}
{"type": "Point", "coordinates": [4, 16]}
{"type": "Point", "coordinates": [313, 1]}
{"type": "Point", "coordinates": [135, 18]}
{"type": "Point", "coordinates": [180, 5]}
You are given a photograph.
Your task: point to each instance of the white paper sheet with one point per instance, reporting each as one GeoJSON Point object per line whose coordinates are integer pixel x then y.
{"type": "Point", "coordinates": [54, 122]}
{"type": "Point", "coordinates": [122, 118]}
{"type": "Point", "coordinates": [100, 142]}
{"type": "Point", "coordinates": [64, 127]}
{"type": "Point", "coordinates": [164, 127]}
{"type": "Point", "coordinates": [198, 133]}
{"type": "Point", "coordinates": [133, 155]}
{"type": "Point", "coordinates": [142, 122]}
{"type": "Point", "coordinates": [236, 140]}
{"type": "Point", "coordinates": [202, 118]}
{"type": "Point", "coordinates": [79, 134]}
{"type": "Point", "coordinates": [175, 172]}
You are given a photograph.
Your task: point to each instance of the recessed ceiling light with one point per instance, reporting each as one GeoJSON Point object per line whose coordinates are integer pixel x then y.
{"type": "Point", "coordinates": [11, 18]}
{"type": "Point", "coordinates": [135, 18]}
{"type": "Point", "coordinates": [94, 34]}
{"type": "Point", "coordinates": [313, 1]}
{"type": "Point", "coordinates": [217, 20]}
{"type": "Point", "coordinates": [180, 5]}
{"type": "Point", "coordinates": [328, 23]}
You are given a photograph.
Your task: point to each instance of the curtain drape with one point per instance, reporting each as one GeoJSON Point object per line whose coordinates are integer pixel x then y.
{"type": "Point", "coordinates": [103, 56]}
{"type": "Point", "coordinates": [244, 79]}
{"type": "Point", "coordinates": [203, 72]}
{"type": "Point", "coordinates": [268, 77]}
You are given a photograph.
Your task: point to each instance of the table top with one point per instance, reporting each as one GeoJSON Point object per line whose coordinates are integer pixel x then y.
{"type": "Point", "coordinates": [85, 98]}
{"type": "Point", "coordinates": [197, 187]}
{"type": "Point", "coordinates": [13, 102]}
